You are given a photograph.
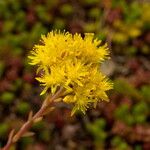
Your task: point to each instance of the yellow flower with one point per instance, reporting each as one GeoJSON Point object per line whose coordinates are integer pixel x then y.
{"type": "Point", "coordinates": [72, 62]}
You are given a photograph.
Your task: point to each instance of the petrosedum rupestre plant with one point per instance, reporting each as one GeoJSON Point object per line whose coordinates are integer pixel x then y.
{"type": "Point", "coordinates": [69, 68]}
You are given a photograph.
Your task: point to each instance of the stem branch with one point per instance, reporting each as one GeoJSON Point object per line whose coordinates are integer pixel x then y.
{"type": "Point", "coordinates": [28, 124]}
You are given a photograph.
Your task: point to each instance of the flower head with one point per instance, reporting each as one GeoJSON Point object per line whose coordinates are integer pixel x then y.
{"type": "Point", "coordinates": [72, 62]}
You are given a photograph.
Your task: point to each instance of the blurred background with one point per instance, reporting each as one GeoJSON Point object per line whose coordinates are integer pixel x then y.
{"type": "Point", "coordinates": [121, 124]}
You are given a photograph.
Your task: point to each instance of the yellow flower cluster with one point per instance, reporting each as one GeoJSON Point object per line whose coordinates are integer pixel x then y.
{"type": "Point", "coordinates": [72, 62]}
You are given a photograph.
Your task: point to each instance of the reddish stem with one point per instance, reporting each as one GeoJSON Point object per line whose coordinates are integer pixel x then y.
{"type": "Point", "coordinates": [27, 125]}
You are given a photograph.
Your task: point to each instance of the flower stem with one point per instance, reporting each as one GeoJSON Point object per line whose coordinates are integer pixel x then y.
{"type": "Point", "coordinates": [13, 138]}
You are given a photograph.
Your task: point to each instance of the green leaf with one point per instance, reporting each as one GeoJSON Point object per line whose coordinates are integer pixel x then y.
{"type": "Point", "coordinates": [7, 97]}
{"type": "Point", "coordinates": [123, 87]}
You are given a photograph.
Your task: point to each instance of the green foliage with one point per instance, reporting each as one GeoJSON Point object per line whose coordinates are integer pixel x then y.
{"type": "Point", "coordinates": [26, 141]}
{"type": "Point", "coordinates": [8, 26]}
{"type": "Point", "coordinates": [17, 85]}
{"type": "Point", "coordinates": [43, 14]}
{"type": "Point", "coordinates": [119, 144]}
{"type": "Point", "coordinates": [135, 115]}
{"type": "Point", "coordinates": [91, 2]}
{"type": "Point", "coordinates": [133, 12]}
{"type": "Point", "coordinates": [59, 24]}
{"type": "Point", "coordinates": [7, 97]}
{"type": "Point", "coordinates": [91, 26]}
{"type": "Point", "coordinates": [44, 135]}
{"type": "Point", "coordinates": [145, 91]}
{"type": "Point", "coordinates": [38, 126]}
{"type": "Point", "coordinates": [123, 87]}
{"type": "Point", "coordinates": [4, 127]}
{"type": "Point", "coordinates": [140, 111]}
{"type": "Point", "coordinates": [94, 13]}
{"type": "Point", "coordinates": [23, 108]}
{"type": "Point", "coordinates": [97, 129]}
{"type": "Point", "coordinates": [123, 113]}
{"type": "Point", "coordinates": [119, 3]}
{"type": "Point", "coordinates": [138, 147]}
{"type": "Point", "coordinates": [43, 131]}
{"type": "Point", "coordinates": [2, 68]}
{"type": "Point", "coordinates": [132, 50]}
{"type": "Point", "coordinates": [66, 9]}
